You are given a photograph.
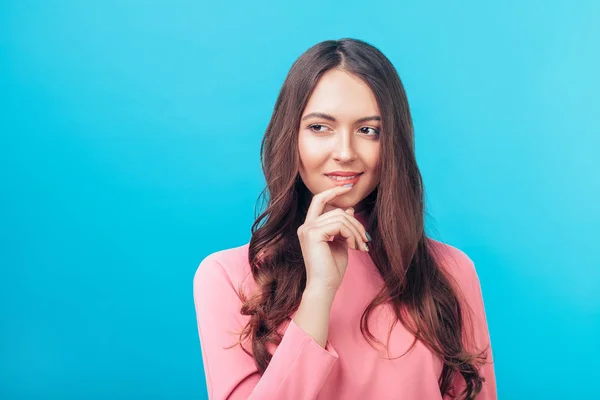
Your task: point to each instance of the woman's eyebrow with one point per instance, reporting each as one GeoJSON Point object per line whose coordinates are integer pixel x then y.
{"type": "Point", "coordinates": [332, 118]}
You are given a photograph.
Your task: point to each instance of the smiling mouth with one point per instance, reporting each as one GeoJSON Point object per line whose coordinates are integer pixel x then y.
{"type": "Point", "coordinates": [344, 180]}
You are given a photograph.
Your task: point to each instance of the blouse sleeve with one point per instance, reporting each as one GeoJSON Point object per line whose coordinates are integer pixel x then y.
{"type": "Point", "coordinates": [299, 366]}
{"type": "Point", "coordinates": [474, 299]}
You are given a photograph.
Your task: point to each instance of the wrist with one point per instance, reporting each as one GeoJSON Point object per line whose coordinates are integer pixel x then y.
{"type": "Point", "coordinates": [321, 294]}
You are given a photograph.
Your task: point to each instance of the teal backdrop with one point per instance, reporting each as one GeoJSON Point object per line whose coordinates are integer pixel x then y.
{"type": "Point", "coordinates": [130, 150]}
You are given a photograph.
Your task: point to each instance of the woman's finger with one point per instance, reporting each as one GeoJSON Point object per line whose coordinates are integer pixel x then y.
{"type": "Point", "coordinates": [346, 220]}
{"type": "Point", "coordinates": [350, 216]}
{"type": "Point", "coordinates": [320, 200]}
{"type": "Point", "coordinates": [336, 228]}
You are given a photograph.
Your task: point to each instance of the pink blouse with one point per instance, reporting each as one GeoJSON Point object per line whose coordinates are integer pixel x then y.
{"type": "Point", "coordinates": [348, 367]}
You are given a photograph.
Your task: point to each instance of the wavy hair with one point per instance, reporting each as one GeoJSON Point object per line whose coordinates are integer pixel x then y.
{"type": "Point", "coordinates": [419, 290]}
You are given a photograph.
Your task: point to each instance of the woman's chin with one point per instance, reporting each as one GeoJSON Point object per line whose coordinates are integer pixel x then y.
{"type": "Point", "coordinates": [339, 203]}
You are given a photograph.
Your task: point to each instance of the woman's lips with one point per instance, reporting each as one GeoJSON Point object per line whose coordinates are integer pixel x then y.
{"type": "Point", "coordinates": [342, 182]}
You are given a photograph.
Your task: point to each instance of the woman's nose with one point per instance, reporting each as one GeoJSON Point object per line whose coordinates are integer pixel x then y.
{"type": "Point", "coordinates": [344, 147]}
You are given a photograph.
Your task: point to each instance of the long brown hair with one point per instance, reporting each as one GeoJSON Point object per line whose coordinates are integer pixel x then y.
{"type": "Point", "coordinates": [421, 293]}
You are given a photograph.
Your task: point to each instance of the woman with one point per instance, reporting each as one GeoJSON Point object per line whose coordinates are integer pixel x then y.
{"type": "Point", "coordinates": [341, 260]}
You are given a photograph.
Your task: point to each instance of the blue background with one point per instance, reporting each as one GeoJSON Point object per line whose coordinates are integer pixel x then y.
{"type": "Point", "coordinates": [130, 150]}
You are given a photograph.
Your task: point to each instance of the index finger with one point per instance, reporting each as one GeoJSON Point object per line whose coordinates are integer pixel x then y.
{"type": "Point", "coordinates": [318, 202]}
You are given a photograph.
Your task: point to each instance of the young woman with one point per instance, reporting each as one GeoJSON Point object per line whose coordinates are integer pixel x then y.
{"type": "Point", "coordinates": [340, 294]}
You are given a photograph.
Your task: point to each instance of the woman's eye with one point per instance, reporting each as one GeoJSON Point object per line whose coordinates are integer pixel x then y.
{"type": "Point", "coordinates": [317, 126]}
{"type": "Point", "coordinates": [376, 131]}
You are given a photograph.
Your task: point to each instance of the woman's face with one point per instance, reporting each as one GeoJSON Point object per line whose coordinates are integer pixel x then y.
{"type": "Point", "coordinates": [340, 138]}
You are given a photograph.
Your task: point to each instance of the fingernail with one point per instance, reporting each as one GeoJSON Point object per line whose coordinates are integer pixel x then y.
{"type": "Point", "coordinates": [347, 185]}
{"type": "Point", "coordinates": [368, 236]}
{"type": "Point", "coordinates": [366, 247]}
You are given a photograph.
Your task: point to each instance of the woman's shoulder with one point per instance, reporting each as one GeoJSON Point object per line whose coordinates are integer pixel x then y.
{"type": "Point", "coordinates": [454, 260]}
{"type": "Point", "coordinates": [227, 266]}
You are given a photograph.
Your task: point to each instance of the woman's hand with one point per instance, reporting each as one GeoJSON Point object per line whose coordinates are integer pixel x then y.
{"type": "Point", "coordinates": [325, 238]}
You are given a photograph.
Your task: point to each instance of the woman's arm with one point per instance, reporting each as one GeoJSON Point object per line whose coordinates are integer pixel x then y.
{"type": "Point", "coordinates": [471, 288]}
{"type": "Point", "coordinates": [300, 365]}
{"type": "Point", "coordinates": [314, 312]}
